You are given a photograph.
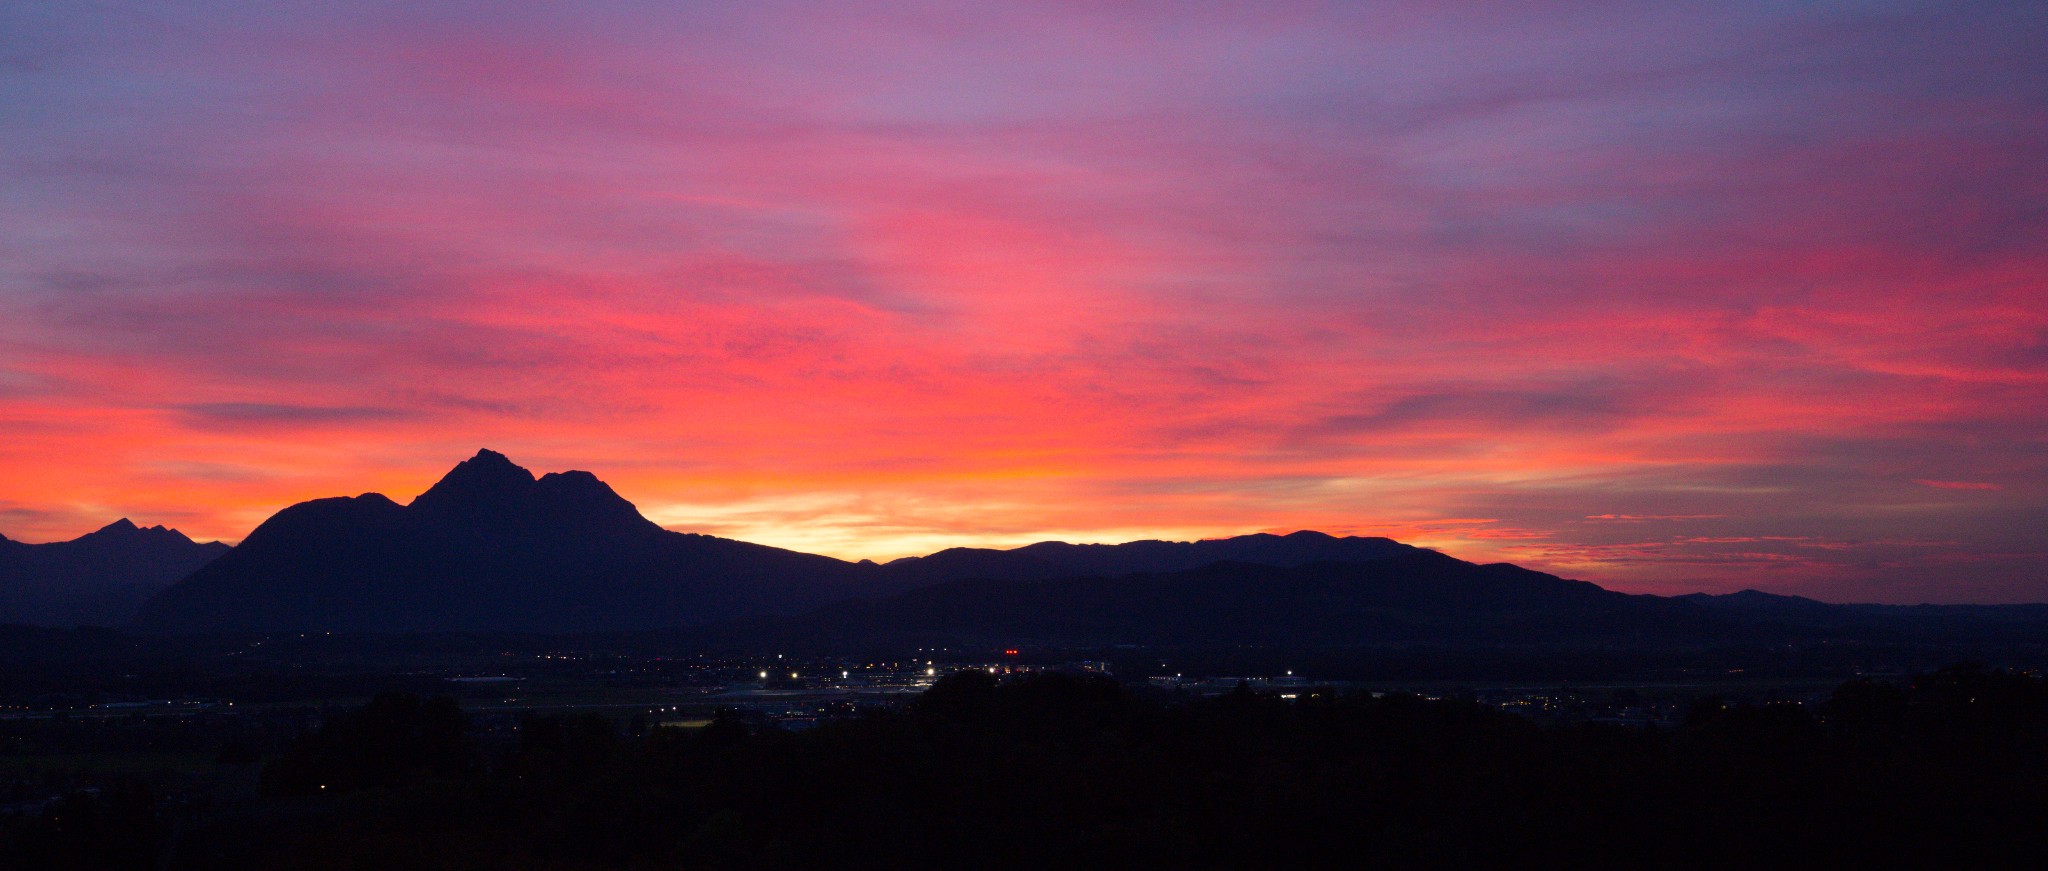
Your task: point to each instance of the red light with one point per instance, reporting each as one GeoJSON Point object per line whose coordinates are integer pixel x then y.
{"type": "Point", "coordinates": [1011, 652]}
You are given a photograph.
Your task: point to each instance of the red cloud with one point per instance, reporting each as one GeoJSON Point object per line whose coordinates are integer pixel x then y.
{"type": "Point", "coordinates": [1107, 275]}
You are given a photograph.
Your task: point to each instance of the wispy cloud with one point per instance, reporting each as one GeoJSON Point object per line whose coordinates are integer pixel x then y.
{"type": "Point", "coordinates": [1645, 518]}
{"type": "Point", "coordinates": [213, 414]}
{"type": "Point", "coordinates": [1605, 278]}
{"type": "Point", "coordinates": [1957, 485]}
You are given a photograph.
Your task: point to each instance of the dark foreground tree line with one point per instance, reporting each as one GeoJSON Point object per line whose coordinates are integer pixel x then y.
{"type": "Point", "coordinates": [1057, 771]}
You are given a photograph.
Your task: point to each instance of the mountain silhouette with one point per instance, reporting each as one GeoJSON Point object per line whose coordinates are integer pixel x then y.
{"type": "Point", "coordinates": [1409, 599]}
{"type": "Point", "coordinates": [1057, 559]}
{"type": "Point", "coordinates": [98, 579]}
{"type": "Point", "coordinates": [1411, 595]}
{"type": "Point", "coordinates": [490, 547]}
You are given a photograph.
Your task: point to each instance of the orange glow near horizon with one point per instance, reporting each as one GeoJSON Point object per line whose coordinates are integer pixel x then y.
{"type": "Point", "coordinates": [1686, 313]}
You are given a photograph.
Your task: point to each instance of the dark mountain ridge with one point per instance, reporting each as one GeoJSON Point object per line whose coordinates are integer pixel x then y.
{"type": "Point", "coordinates": [1057, 559]}
{"type": "Point", "coordinates": [1416, 600]}
{"type": "Point", "coordinates": [1411, 596]}
{"type": "Point", "coordinates": [98, 579]}
{"type": "Point", "coordinates": [490, 547]}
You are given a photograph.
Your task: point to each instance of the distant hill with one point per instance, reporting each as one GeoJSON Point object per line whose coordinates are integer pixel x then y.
{"type": "Point", "coordinates": [1058, 559]}
{"type": "Point", "coordinates": [98, 579]}
{"type": "Point", "coordinates": [490, 547]}
{"type": "Point", "coordinates": [1411, 595]}
{"type": "Point", "coordinates": [1410, 599]}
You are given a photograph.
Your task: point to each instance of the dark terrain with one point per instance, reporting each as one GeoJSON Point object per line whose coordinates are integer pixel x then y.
{"type": "Point", "coordinates": [1062, 771]}
{"type": "Point", "coordinates": [491, 548]}
{"type": "Point", "coordinates": [98, 579]}
{"type": "Point", "coordinates": [522, 672]}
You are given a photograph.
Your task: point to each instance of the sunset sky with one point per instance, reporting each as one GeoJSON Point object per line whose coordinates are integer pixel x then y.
{"type": "Point", "coordinates": [1666, 296]}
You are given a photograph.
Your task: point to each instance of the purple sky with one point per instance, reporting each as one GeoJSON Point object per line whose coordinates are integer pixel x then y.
{"type": "Point", "coordinates": [1667, 296]}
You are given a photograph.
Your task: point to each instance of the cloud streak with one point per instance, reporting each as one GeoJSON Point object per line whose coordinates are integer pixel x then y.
{"type": "Point", "coordinates": [870, 280]}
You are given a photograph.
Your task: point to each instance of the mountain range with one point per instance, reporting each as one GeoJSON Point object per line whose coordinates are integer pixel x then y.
{"type": "Point", "coordinates": [491, 548]}
{"type": "Point", "coordinates": [98, 579]}
{"type": "Point", "coordinates": [1406, 600]}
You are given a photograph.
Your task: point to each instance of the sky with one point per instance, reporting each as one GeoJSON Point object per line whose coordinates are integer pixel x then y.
{"type": "Point", "coordinates": [1667, 296]}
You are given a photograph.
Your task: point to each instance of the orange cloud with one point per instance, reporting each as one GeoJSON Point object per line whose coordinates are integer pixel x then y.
{"type": "Point", "coordinates": [1100, 276]}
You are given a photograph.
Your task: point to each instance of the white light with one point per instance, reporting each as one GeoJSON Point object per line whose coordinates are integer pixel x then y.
{"type": "Point", "coordinates": [931, 671]}
{"type": "Point", "coordinates": [764, 675]}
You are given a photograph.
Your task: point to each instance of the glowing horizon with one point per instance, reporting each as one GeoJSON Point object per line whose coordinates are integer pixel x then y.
{"type": "Point", "coordinates": [1668, 297]}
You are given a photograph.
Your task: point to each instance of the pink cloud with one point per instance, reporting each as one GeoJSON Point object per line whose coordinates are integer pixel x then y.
{"type": "Point", "coordinates": [1957, 485]}
{"type": "Point", "coordinates": [918, 277]}
{"type": "Point", "coordinates": [1640, 518]}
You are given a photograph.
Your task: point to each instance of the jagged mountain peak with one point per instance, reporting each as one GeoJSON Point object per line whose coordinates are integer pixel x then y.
{"type": "Point", "coordinates": [575, 481]}
{"type": "Point", "coordinates": [492, 490]}
{"type": "Point", "coordinates": [487, 477]}
{"type": "Point", "coordinates": [491, 547]}
{"type": "Point", "coordinates": [97, 579]}
{"type": "Point", "coordinates": [126, 530]}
